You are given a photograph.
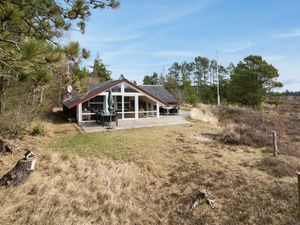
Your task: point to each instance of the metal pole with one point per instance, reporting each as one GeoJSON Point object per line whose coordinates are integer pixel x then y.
{"type": "Point", "coordinates": [218, 83]}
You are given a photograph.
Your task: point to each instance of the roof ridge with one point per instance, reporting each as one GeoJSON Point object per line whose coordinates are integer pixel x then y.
{"type": "Point", "coordinates": [150, 85]}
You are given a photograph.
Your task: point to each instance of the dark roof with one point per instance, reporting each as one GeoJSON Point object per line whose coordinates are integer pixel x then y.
{"type": "Point", "coordinates": [73, 97]}
{"type": "Point", "coordinates": [160, 92]}
{"type": "Point", "coordinates": [94, 90]}
{"type": "Point", "coordinates": [103, 85]}
{"type": "Point", "coordinates": [99, 88]}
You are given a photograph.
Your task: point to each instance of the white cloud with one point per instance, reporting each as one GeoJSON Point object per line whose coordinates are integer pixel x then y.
{"type": "Point", "coordinates": [288, 34]}
{"type": "Point", "coordinates": [172, 15]}
{"type": "Point", "coordinates": [289, 71]}
{"type": "Point", "coordinates": [154, 64]}
{"type": "Point", "coordinates": [96, 40]}
{"type": "Point", "coordinates": [237, 46]}
{"type": "Point", "coordinates": [175, 53]}
{"type": "Point", "coordinates": [166, 54]}
{"type": "Point", "coordinates": [274, 58]}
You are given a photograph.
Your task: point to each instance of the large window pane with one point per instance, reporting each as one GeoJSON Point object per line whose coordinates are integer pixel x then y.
{"type": "Point", "coordinates": [129, 104]}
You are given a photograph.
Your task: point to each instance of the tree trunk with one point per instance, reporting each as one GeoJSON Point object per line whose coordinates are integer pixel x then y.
{"type": "Point", "coordinates": [20, 172]}
{"type": "Point", "coordinates": [2, 94]}
{"type": "Point", "coordinates": [41, 95]}
{"type": "Point", "coordinates": [198, 84]}
{"type": "Point", "coordinates": [33, 96]}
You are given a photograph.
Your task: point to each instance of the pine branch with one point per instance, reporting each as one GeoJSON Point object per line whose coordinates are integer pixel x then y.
{"type": "Point", "coordinates": [8, 65]}
{"type": "Point", "coordinates": [12, 42]}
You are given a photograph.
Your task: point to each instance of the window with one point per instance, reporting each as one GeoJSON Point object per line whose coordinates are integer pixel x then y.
{"type": "Point", "coordinates": [85, 106]}
{"type": "Point", "coordinates": [118, 103]}
{"type": "Point", "coordinates": [98, 99]}
{"type": "Point", "coordinates": [116, 89]}
{"type": "Point", "coordinates": [96, 107]}
{"type": "Point", "coordinates": [129, 104]}
{"type": "Point", "coordinates": [129, 89]}
{"type": "Point", "coordinates": [94, 104]}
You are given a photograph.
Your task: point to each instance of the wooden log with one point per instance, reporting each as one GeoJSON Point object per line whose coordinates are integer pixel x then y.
{"type": "Point", "coordinates": [20, 172]}
{"type": "Point", "coordinates": [275, 148]}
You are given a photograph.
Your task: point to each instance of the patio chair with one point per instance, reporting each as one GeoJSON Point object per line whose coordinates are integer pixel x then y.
{"type": "Point", "coordinates": [174, 111]}
{"type": "Point", "coordinates": [163, 111]}
{"type": "Point", "coordinates": [103, 117]}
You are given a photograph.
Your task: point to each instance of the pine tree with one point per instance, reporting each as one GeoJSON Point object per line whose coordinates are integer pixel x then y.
{"type": "Point", "coordinates": [152, 80]}
{"type": "Point", "coordinates": [28, 33]}
{"type": "Point", "coordinates": [200, 72]}
{"type": "Point", "coordinates": [251, 81]}
{"type": "Point", "coordinates": [99, 71]}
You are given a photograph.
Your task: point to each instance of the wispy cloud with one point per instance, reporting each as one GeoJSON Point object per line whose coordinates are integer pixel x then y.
{"type": "Point", "coordinates": [274, 58]}
{"type": "Point", "coordinates": [155, 64]}
{"type": "Point", "coordinates": [176, 53]}
{"type": "Point", "coordinates": [237, 46]}
{"type": "Point", "coordinates": [98, 40]}
{"type": "Point", "coordinates": [164, 53]}
{"type": "Point", "coordinates": [288, 34]}
{"type": "Point", "coordinates": [289, 71]}
{"type": "Point", "coordinates": [172, 15]}
{"type": "Point", "coordinates": [292, 81]}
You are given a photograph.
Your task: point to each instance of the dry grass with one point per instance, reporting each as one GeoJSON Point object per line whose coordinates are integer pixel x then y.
{"type": "Point", "coordinates": [204, 113]}
{"type": "Point", "coordinates": [74, 190]}
{"type": "Point", "coordinates": [147, 176]}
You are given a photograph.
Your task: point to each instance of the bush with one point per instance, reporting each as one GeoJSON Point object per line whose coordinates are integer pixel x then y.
{"type": "Point", "coordinates": [39, 129]}
{"type": "Point", "coordinates": [278, 167]}
{"type": "Point", "coordinates": [241, 134]}
{"type": "Point", "coordinates": [12, 125]}
{"type": "Point", "coordinates": [242, 126]}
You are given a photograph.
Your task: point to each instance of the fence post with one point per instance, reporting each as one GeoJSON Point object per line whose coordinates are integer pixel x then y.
{"type": "Point", "coordinates": [298, 175]}
{"type": "Point", "coordinates": [275, 148]}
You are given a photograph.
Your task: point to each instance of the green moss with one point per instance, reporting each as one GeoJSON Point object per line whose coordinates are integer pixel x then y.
{"type": "Point", "coordinates": [39, 129]}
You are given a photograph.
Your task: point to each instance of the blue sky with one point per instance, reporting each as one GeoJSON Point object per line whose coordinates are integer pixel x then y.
{"type": "Point", "coordinates": [143, 36]}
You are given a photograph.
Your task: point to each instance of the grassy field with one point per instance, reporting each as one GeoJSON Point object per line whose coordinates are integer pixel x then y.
{"type": "Point", "coordinates": [149, 176]}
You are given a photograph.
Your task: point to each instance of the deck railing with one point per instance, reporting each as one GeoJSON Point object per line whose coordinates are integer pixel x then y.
{"type": "Point", "coordinates": [147, 114]}
{"type": "Point", "coordinates": [90, 116]}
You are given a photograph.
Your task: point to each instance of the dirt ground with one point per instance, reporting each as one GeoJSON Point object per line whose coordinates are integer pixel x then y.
{"type": "Point", "coordinates": [151, 176]}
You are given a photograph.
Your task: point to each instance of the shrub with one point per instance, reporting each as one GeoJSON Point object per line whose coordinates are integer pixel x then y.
{"type": "Point", "coordinates": [39, 129]}
{"type": "Point", "coordinates": [242, 126]}
{"type": "Point", "coordinates": [277, 167]}
{"type": "Point", "coordinates": [242, 134]}
{"type": "Point", "coordinates": [12, 125]}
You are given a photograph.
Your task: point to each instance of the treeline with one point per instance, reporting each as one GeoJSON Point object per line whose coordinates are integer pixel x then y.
{"type": "Point", "coordinates": [291, 93]}
{"type": "Point", "coordinates": [248, 83]}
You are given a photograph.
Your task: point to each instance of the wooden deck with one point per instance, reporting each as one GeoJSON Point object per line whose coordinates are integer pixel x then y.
{"type": "Point", "coordinates": [138, 123]}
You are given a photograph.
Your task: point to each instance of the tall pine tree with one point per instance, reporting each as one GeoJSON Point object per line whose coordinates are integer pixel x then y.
{"type": "Point", "coordinates": [100, 73]}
